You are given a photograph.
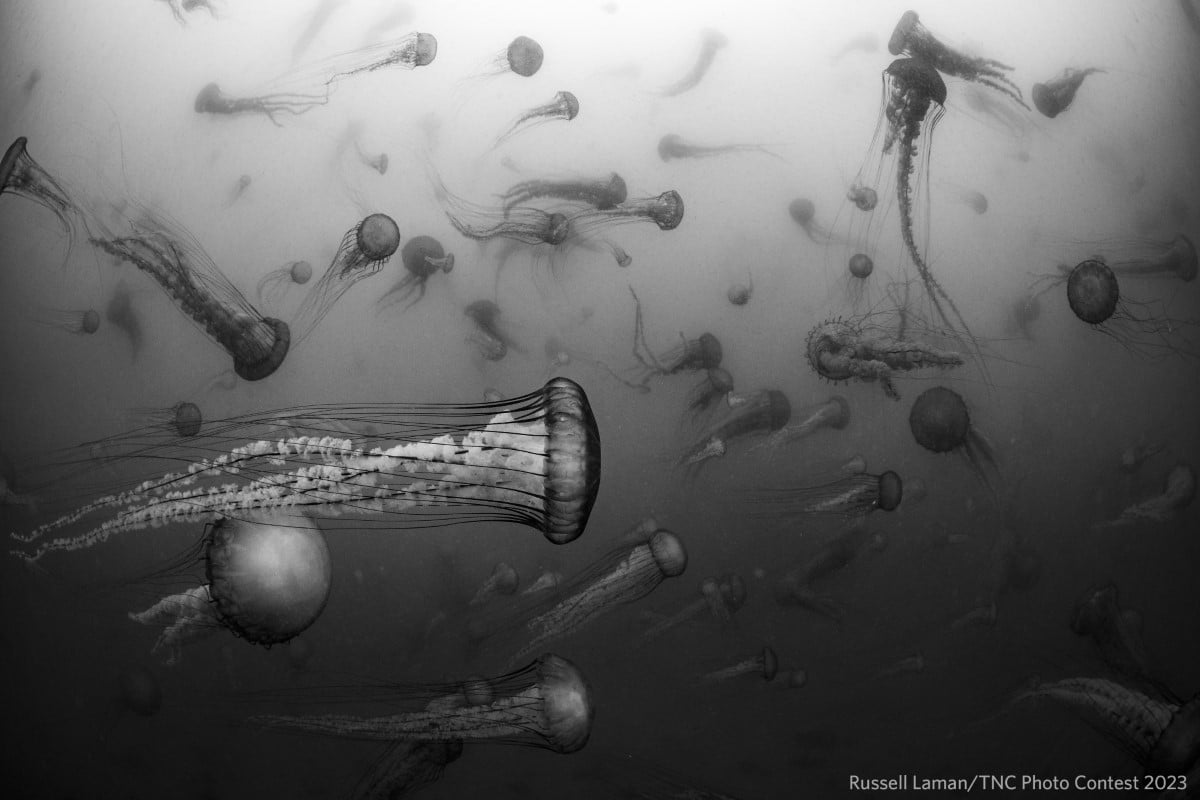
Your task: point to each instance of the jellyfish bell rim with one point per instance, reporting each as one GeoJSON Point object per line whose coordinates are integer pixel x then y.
{"type": "Point", "coordinates": [898, 41]}
{"type": "Point", "coordinates": [377, 236]}
{"type": "Point", "coordinates": [891, 491]}
{"type": "Point", "coordinates": [573, 461]}
{"type": "Point", "coordinates": [15, 152]}
{"type": "Point", "coordinates": [257, 370]}
{"type": "Point", "coordinates": [567, 708]}
{"type": "Point", "coordinates": [668, 552]}
{"type": "Point", "coordinates": [951, 415]}
{"type": "Point", "coordinates": [1093, 291]}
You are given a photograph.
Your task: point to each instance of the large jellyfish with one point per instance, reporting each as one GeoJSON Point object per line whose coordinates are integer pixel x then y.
{"type": "Point", "coordinates": [673, 146]}
{"type": "Point", "coordinates": [364, 250]}
{"type": "Point", "coordinates": [720, 598]}
{"type": "Point", "coordinates": [1179, 490]}
{"type": "Point", "coordinates": [711, 41]}
{"type": "Point", "coordinates": [851, 496]}
{"type": "Point", "coordinates": [690, 355]}
{"type": "Point", "coordinates": [532, 460]}
{"type": "Point", "coordinates": [564, 106]}
{"type": "Point", "coordinates": [911, 38]}
{"type": "Point", "coordinates": [1055, 96]}
{"type": "Point", "coordinates": [833, 414]}
{"type": "Point", "coordinates": [311, 86]}
{"type": "Point", "coordinates": [763, 664]}
{"type": "Point", "coordinates": [75, 321]}
{"type": "Point", "coordinates": [1117, 632]}
{"type": "Point", "coordinates": [490, 338]}
{"type": "Point", "coordinates": [546, 704]}
{"type": "Point", "coordinates": [423, 257]}
{"type": "Point", "coordinates": [767, 413]}
{"type": "Point", "coordinates": [275, 284]}
{"type": "Point", "coordinates": [23, 177]}
{"type": "Point", "coordinates": [603, 193]}
{"type": "Point", "coordinates": [940, 423]}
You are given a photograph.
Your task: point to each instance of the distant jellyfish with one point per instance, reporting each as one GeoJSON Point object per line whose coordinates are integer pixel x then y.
{"type": "Point", "coordinates": [503, 582]}
{"type": "Point", "coordinates": [713, 387]}
{"type": "Point", "coordinates": [181, 420]}
{"type": "Point", "coordinates": [862, 43]}
{"type": "Point", "coordinates": [564, 106]}
{"type": "Point", "coordinates": [1178, 492]}
{"type": "Point", "coordinates": [803, 213]}
{"type": "Point", "coordinates": [320, 16]}
{"type": "Point", "coordinates": [863, 197]}
{"type": "Point", "coordinates": [797, 586]}
{"type": "Point", "coordinates": [352, 138]}
{"type": "Point", "coordinates": [845, 349]}
{"type": "Point", "coordinates": [121, 314]}
{"type": "Point", "coordinates": [489, 337]}
{"type": "Point", "coordinates": [1116, 632]}
{"type": "Point", "coordinates": [1022, 313]}
{"type": "Point", "coordinates": [763, 665]}
{"type": "Point", "coordinates": [981, 616]}
{"type": "Point", "coordinates": [768, 413]}
{"type": "Point", "coordinates": [673, 146]}
{"type": "Point", "coordinates": [275, 284]}
{"type": "Point", "coordinates": [833, 414]}
{"type": "Point", "coordinates": [720, 598]}
{"type": "Point", "coordinates": [622, 258]}
{"type": "Point", "coordinates": [904, 666]}
{"type": "Point", "coordinates": [690, 355]}
{"type": "Point", "coordinates": [1135, 456]}
{"type": "Point", "coordinates": [238, 190]}
{"type": "Point", "coordinates": [422, 257]}
{"type": "Point", "coordinates": [711, 42]}
{"type": "Point", "coordinates": [546, 581]}
{"type": "Point", "coordinates": [21, 176]}
{"type": "Point", "coordinates": [940, 423]}
{"type": "Point", "coordinates": [999, 114]}
{"type": "Point", "coordinates": [849, 496]}
{"type": "Point", "coordinates": [139, 691]}
{"type": "Point", "coordinates": [972, 199]}
{"type": "Point", "coordinates": [78, 322]}
{"type": "Point", "coordinates": [604, 193]}
{"type": "Point", "coordinates": [1055, 96]}
{"type": "Point", "coordinates": [1172, 259]}
{"type": "Point", "coordinates": [739, 294]}
{"type": "Point", "coordinates": [859, 269]}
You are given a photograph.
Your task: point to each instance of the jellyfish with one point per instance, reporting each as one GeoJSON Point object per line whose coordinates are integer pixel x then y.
{"type": "Point", "coordinates": [766, 414]}
{"type": "Point", "coordinates": [1055, 96]}
{"type": "Point", "coordinates": [711, 41]}
{"type": "Point", "coordinates": [311, 86]}
{"type": "Point", "coordinates": [564, 106]}
{"type": "Point", "coordinates": [603, 193]}
{"type": "Point", "coordinates": [239, 189]}
{"type": "Point", "coordinates": [423, 257]}
{"type": "Point", "coordinates": [21, 176]}
{"type": "Point", "coordinates": [1149, 259]}
{"type": "Point", "coordinates": [321, 15]}
{"type": "Point", "coordinates": [673, 146]}
{"type": "Point", "coordinates": [739, 294]}
{"type": "Point", "coordinates": [491, 340]}
{"type": "Point", "coordinates": [972, 199]}
{"type": "Point", "coordinates": [803, 213]}
{"type": "Point", "coordinates": [911, 38]}
{"type": "Point", "coordinates": [82, 322]}
{"type": "Point", "coordinates": [120, 313]}
{"type": "Point", "coordinates": [850, 496]}
{"type": "Point", "coordinates": [795, 588]}
{"type": "Point", "coordinates": [184, 618]}
{"type": "Point", "coordinates": [720, 597]}
{"type": "Point", "coordinates": [1134, 457]}
{"type": "Point", "coordinates": [940, 423]}
{"type": "Point", "coordinates": [691, 355]}
{"type": "Point", "coordinates": [763, 665]}
{"type": "Point", "coordinates": [517, 223]}
{"type": "Point", "coordinates": [353, 138]}
{"type": "Point", "coordinates": [276, 283]}
{"type": "Point", "coordinates": [532, 460]}
{"type": "Point", "coordinates": [503, 582]}
{"type": "Point", "coordinates": [833, 414]}
{"type": "Point", "coordinates": [1116, 632]}
{"type": "Point", "coordinates": [844, 350]}
{"type": "Point", "coordinates": [549, 579]}
{"type": "Point", "coordinates": [1179, 490]}
{"type": "Point", "coordinates": [623, 575]}
{"type": "Point", "coordinates": [905, 666]}
{"type": "Point", "coordinates": [406, 768]}
{"type": "Point", "coordinates": [523, 57]}
{"type": "Point", "coordinates": [863, 197]}
{"type": "Point", "coordinates": [1024, 311]}
{"type": "Point", "coordinates": [364, 250]}
{"type": "Point", "coordinates": [182, 420]}
{"type": "Point", "coordinates": [716, 384]}
{"type": "Point", "coordinates": [858, 272]}
{"type": "Point", "coordinates": [623, 260]}
{"type": "Point", "coordinates": [170, 254]}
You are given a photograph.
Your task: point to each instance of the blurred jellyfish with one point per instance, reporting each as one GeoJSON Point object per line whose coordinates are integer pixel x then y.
{"type": "Point", "coordinates": [80, 323]}
{"type": "Point", "coordinates": [1116, 632]}
{"type": "Point", "coordinates": [1055, 96]}
{"type": "Point", "coordinates": [673, 146]}
{"type": "Point", "coordinates": [546, 704]}
{"type": "Point", "coordinates": [796, 587]}
{"type": "Point", "coordinates": [564, 106]}
{"type": "Point", "coordinates": [518, 223]}
{"type": "Point", "coordinates": [850, 496]}
{"type": "Point", "coordinates": [711, 41]}
{"type": "Point", "coordinates": [911, 38]}
{"type": "Point", "coordinates": [940, 423]}
{"type": "Point", "coordinates": [803, 213]}
{"type": "Point", "coordinates": [691, 355]}
{"type": "Point", "coordinates": [120, 313]}
{"type": "Point", "coordinates": [28, 86]}
{"type": "Point", "coordinates": [21, 176]}
{"type": "Point", "coordinates": [833, 414]}
{"type": "Point", "coordinates": [399, 15]}
{"type": "Point", "coordinates": [720, 597]}
{"type": "Point", "coordinates": [766, 414]}
{"type": "Point", "coordinates": [423, 257]}
{"type": "Point", "coordinates": [623, 258]}
{"type": "Point", "coordinates": [321, 14]}
{"type": "Point", "coordinates": [997, 114]}
{"type": "Point", "coordinates": [353, 138]}
{"type": "Point", "coordinates": [739, 294]}
{"type": "Point", "coordinates": [364, 250]}
{"type": "Point", "coordinates": [844, 350]}
{"type": "Point", "coordinates": [1024, 311]}
{"type": "Point", "coordinates": [531, 460]}
{"type": "Point", "coordinates": [905, 666]}
{"type": "Point", "coordinates": [1173, 259]}
{"type": "Point", "coordinates": [1134, 457]}
{"type": "Point", "coordinates": [239, 189]}
{"type": "Point", "coordinates": [715, 385]}
{"type": "Point", "coordinates": [406, 768]}
{"type": "Point", "coordinates": [856, 281]}
{"type": "Point", "coordinates": [982, 616]}
{"type": "Point", "coordinates": [862, 43]}
{"type": "Point", "coordinates": [503, 582]}
{"type": "Point", "coordinates": [1178, 492]}
{"type": "Point", "coordinates": [763, 665]}
{"type": "Point", "coordinates": [549, 579]}
{"type": "Point", "coordinates": [972, 199]}
{"type": "Point", "coordinates": [276, 283]}
{"type": "Point", "coordinates": [491, 340]}
{"type": "Point", "coordinates": [602, 193]}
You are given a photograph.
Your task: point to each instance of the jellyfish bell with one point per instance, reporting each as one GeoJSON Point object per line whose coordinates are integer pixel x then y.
{"type": "Point", "coordinates": [863, 197]}
{"type": "Point", "coordinates": [861, 266]}
{"type": "Point", "coordinates": [80, 323]}
{"type": "Point", "coordinates": [524, 56]}
{"type": "Point", "coordinates": [940, 423]}
{"type": "Point", "coordinates": [423, 257]}
{"type": "Point", "coordinates": [1055, 96]}
{"type": "Point", "coordinates": [23, 177]}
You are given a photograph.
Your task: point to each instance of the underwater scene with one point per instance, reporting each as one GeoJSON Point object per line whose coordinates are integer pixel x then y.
{"type": "Point", "coordinates": [585, 399]}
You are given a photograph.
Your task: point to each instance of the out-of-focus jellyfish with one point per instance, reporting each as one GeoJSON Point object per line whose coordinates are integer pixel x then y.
{"type": "Point", "coordinates": [549, 579]}
{"type": "Point", "coordinates": [1191, 14]}
{"type": "Point", "coordinates": [833, 414]}
{"type": "Point", "coordinates": [23, 177]}
{"type": "Point", "coordinates": [490, 338]}
{"type": "Point", "coordinates": [423, 257]}
{"type": "Point", "coordinates": [1178, 492]}
{"type": "Point", "coordinates": [803, 212]}
{"type": "Point", "coordinates": [353, 138]}
{"type": "Point", "coordinates": [739, 294]}
{"type": "Point", "coordinates": [320, 16]}
{"type": "Point", "coordinates": [1024, 311]}
{"type": "Point", "coordinates": [720, 597]}
{"type": "Point", "coordinates": [364, 250]}
{"type": "Point", "coordinates": [603, 193]}
{"type": "Point", "coordinates": [182, 420]}
{"type": "Point", "coordinates": [664, 210]}
{"type": "Point", "coordinates": [184, 618]}
{"type": "Point", "coordinates": [715, 385]}
{"type": "Point", "coordinates": [859, 269]}
{"type": "Point", "coordinates": [406, 768]}
{"type": "Point", "coordinates": [139, 691]}
{"type": "Point", "coordinates": [78, 322]}
{"type": "Point", "coordinates": [276, 283]}
{"type": "Point", "coordinates": [546, 704]}
{"type": "Point", "coordinates": [1175, 258]}
{"type": "Point", "coordinates": [623, 575]}
{"type": "Point", "coordinates": [121, 314]}
{"type": "Point", "coordinates": [862, 43]}
{"type": "Point", "coordinates": [179, 7]}
{"type": "Point", "coordinates": [863, 197]}
{"type": "Point", "coordinates": [28, 86]}
{"type": "Point", "coordinates": [170, 254]}
{"type": "Point", "coordinates": [690, 355]}
{"type": "Point", "coordinates": [503, 582]}
{"type": "Point", "coordinates": [940, 423]}
{"type": "Point", "coordinates": [564, 106]}
{"type": "Point", "coordinates": [1134, 457]}
{"type": "Point", "coordinates": [399, 15]}
{"type": "Point", "coordinates": [911, 38]}
{"type": "Point", "coordinates": [766, 414]}
{"type": "Point", "coordinates": [312, 85]}
{"type": "Point", "coordinates": [1055, 96]}
{"type": "Point", "coordinates": [975, 200]}
{"type": "Point", "coordinates": [1117, 632]}
{"type": "Point", "coordinates": [532, 460]}
{"type": "Point", "coordinates": [997, 113]}
{"type": "Point", "coordinates": [518, 223]}
{"type": "Point", "coordinates": [796, 588]}
{"type": "Point", "coordinates": [711, 41]}
{"type": "Point", "coordinates": [849, 496]}
{"type": "Point", "coordinates": [239, 189]}
{"type": "Point", "coordinates": [623, 258]}
{"type": "Point", "coordinates": [673, 146]}
{"type": "Point", "coordinates": [762, 665]}
{"type": "Point", "coordinates": [905, 666]}
{"type": "Point", "coordinates": [982, 616]}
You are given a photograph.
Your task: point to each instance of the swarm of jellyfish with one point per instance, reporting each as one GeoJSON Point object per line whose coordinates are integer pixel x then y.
{"type": "Point", "coordinates": [422, 257]}
{"type": "Point", "coordinates": [711, 42]}
{"type": "Point", "coordinates": [1178, 492]}
{"type": "Point", "coordinates": [1055, 96]}
{"type": "Point", "coordinates": [564, 106]}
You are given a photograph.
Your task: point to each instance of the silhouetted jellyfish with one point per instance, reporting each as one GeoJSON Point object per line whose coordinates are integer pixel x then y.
{"type": "Point", "coordinates": [170, 254]}
{"type": "Point", "coordinates": [239, 189]}
{"type": "Point", "coordinates": [803, 213]}
{"type": "Point", "coordinates": [1179, 490]}
{"type": "Point", "coordinates": [564, 106]}
{"type": "Point", "coordinates": [311, 86]}
{"type": "Point", "coordinates": [364, 250]}
{"type": "Point", "coordinates": [21, 176]}
{"type": "Point", "coordinates": [1116, 632]}
{"type": "Point", "coordinates": [546, 704]}
{"type": "Point", "coordinates": [712, 389]}
{"type": "Point", "coordinates": [1055, 96]}
{"type": "Point", "coordinates": [911, 38]}
{"type": "Point", "coordinates": [664, 210]}
{"type": "Point", "coordinates": [491, 341]}
{"type": "Point", "coordinates": [531, 460]}
{"type": "Point", "coordinates": [276, 283]}
{"type": "Point", "coordinates": [850, 496]}
{"type": "Point", "coordinates": [720, 598]}
{"type": "Point", "coordinates": [767, 413]}
{"type": "Point", "coordinates": [940, 423]}
{"type": "Point", "coordinates": [844, 350]}
{"type": "Point", "coordinates": [81, 323]}
{"type": "Point", "coordinates": [139, 691]}
{"type": "Point", "coordinates": [691, 355]}
{"type": "Point", "coordinates": [602, 193]}
{"type": "Point", "coordinates": [864, 198]}
{"type": "Point", "coordinates": [406, 768]}
{"type": "Point", "coordinates": [503, 582]}
{"type": "Point", "coordinates": [182, 420]}
{"type": "Point", "coordinates": [972, 199]}
{"type": "Point", "coordinates": [711, 41]}
{"type": "Point", "coordinates": [673, 146]}
{"type": "Point", "coordinates": [833, 414]}
{"type": "Point", "coordinates": [763, 665]}
{"type": "Point", "coordinates": [623, 575]}
{"type": "Point", "coordinates": [518, 223]}
{"type": "Point", "coordinates": [423, 257]}
{"type": "Point", "coordinates": [179, 7]}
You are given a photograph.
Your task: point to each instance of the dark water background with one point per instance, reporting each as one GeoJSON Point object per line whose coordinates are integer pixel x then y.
{"type": "Point", "coordinates": [112, 115]}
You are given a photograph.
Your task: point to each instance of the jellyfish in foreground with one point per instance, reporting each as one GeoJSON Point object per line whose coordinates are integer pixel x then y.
{"type": "Point", "coordinates": [503, 582]}
{"type": "Point", "coordinates": [80, 323]}
{"type": "Point", "coordinates": [312, 85]}
{"type": "Point", "coordinates": [1179, 490]}
{"type": "Point", "coordinates": [711, 42]}
{"type": "Point", "coordinates": [406, 768]}
{"type": "Point", "coordinates": [763, 665]}
{"type": "Point", "coordinates": [275, 284]}
{"type": "Point", "coordinates": [833, 414]}
{"type": "Point", "coordinates": [911, 38]}
{"type": "Point", "coordinates": [850, 496]}
{"type": "Point", "coordinates": [423, 257]}
{"type": "Point", "coordinates": [23, 177]}
{"type": "Point", "coordinates": [1117, 632]}
{"type": "Point", "coordinates": [564, 106]}
{"type": "Point", "coordinates": [672, 146]}
{"type": "Point", "coordinates": [239, 189]}
{"type": "Point", "coordinates": [491, 340]}
{"type": "Point", "coordinates": [546, 704]}
{"type": "Point", "coordinates": [720, 597]}
{"type": "Point", "coordinates": [716, 384]}
{"type": "Point", "coordinates": [532, 460]}
{"type": "Point", "coordinates": [364, 250]}
{"type": "Point", "coordinates": [603, 193]}
{"type": "Point", "coordinates": [940, 423]}
{"type": "Point", "coordinates": [170, 254]}
{"type": "Point", "coordinates": [767, 413]}
{"type": "Point", "coordinates": [1055, 96]}
{"type": "Point", "coordinates": [690, 355]}
{"type": "Point", "coordinates": [803, 212]}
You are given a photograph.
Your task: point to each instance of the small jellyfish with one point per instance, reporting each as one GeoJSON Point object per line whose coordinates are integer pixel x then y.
{"type": "Point", "coordinates": [78, 322]}
{"type": "Point", "coordinates": [849, 496]}
{"type": "Point", "coordinates": [623, 258]}
{"type": "Point", "coordinates": [491, 340]}
{"type": "Point", "coordinates": [503, 582]}
{"type": "Point", "coordinates": [833, 414]}
{"type": "Point", "coordinates": [672, 146]}
{"type": "Point", "coordinates": [181, 420]}
{"type": "Point", "coordinates": [795, 588]}
{"type": "Point", "coordinates": [762, 665]}
{"type": "Point", "coordinates": [275, 284]}
{"type": "Point", "coordinates": [691, 355]}
{"type": "Point", "coordinates": [844, 350]}
{"type": "Point", "coordinates": [766, 414]}
{"type": "Point", "coordinates": [564, 106]}
{"type": "Point", "coordinates": [353, 138]}
{"type": "Point", "coordinates": [972, 199]}
{"type": "Point", "coordinates": [548, 580]}
{"type": "Point", "coordinates": [603, 193]}
{"type": "Point", "coordinates": [1117, 632]}
{"type": "Point", "coordinates": [1055, 96]}
{"type": "Point", "coordinates": [422, 257]}
{"type": "Point", "coordinates": [940, 423]}
{"type": "Point", "coordinates": [864, 198]}
{"type": "Point", "coordinates": [739, 294]}
{"type": "Point", "coordinates": [1179, 490]}
{"type": "Point", "coordinates": [711, 41]}
{"type": "Point", "coordinates": [716, 384]}
{"type": "Point", "coordinates": [720, 597]}
{"type": "Point", "coordinates": [238, 190]}
{"type": "Point", "coordinates": [859, 269]}
{"type": "Point", "coordinates": [803, 212]}
{"type": "Point", "coordinates": [21, 176]}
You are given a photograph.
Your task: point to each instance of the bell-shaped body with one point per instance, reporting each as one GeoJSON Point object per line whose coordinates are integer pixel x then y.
{"type": "Point", "coordinates": [1054, 97]}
